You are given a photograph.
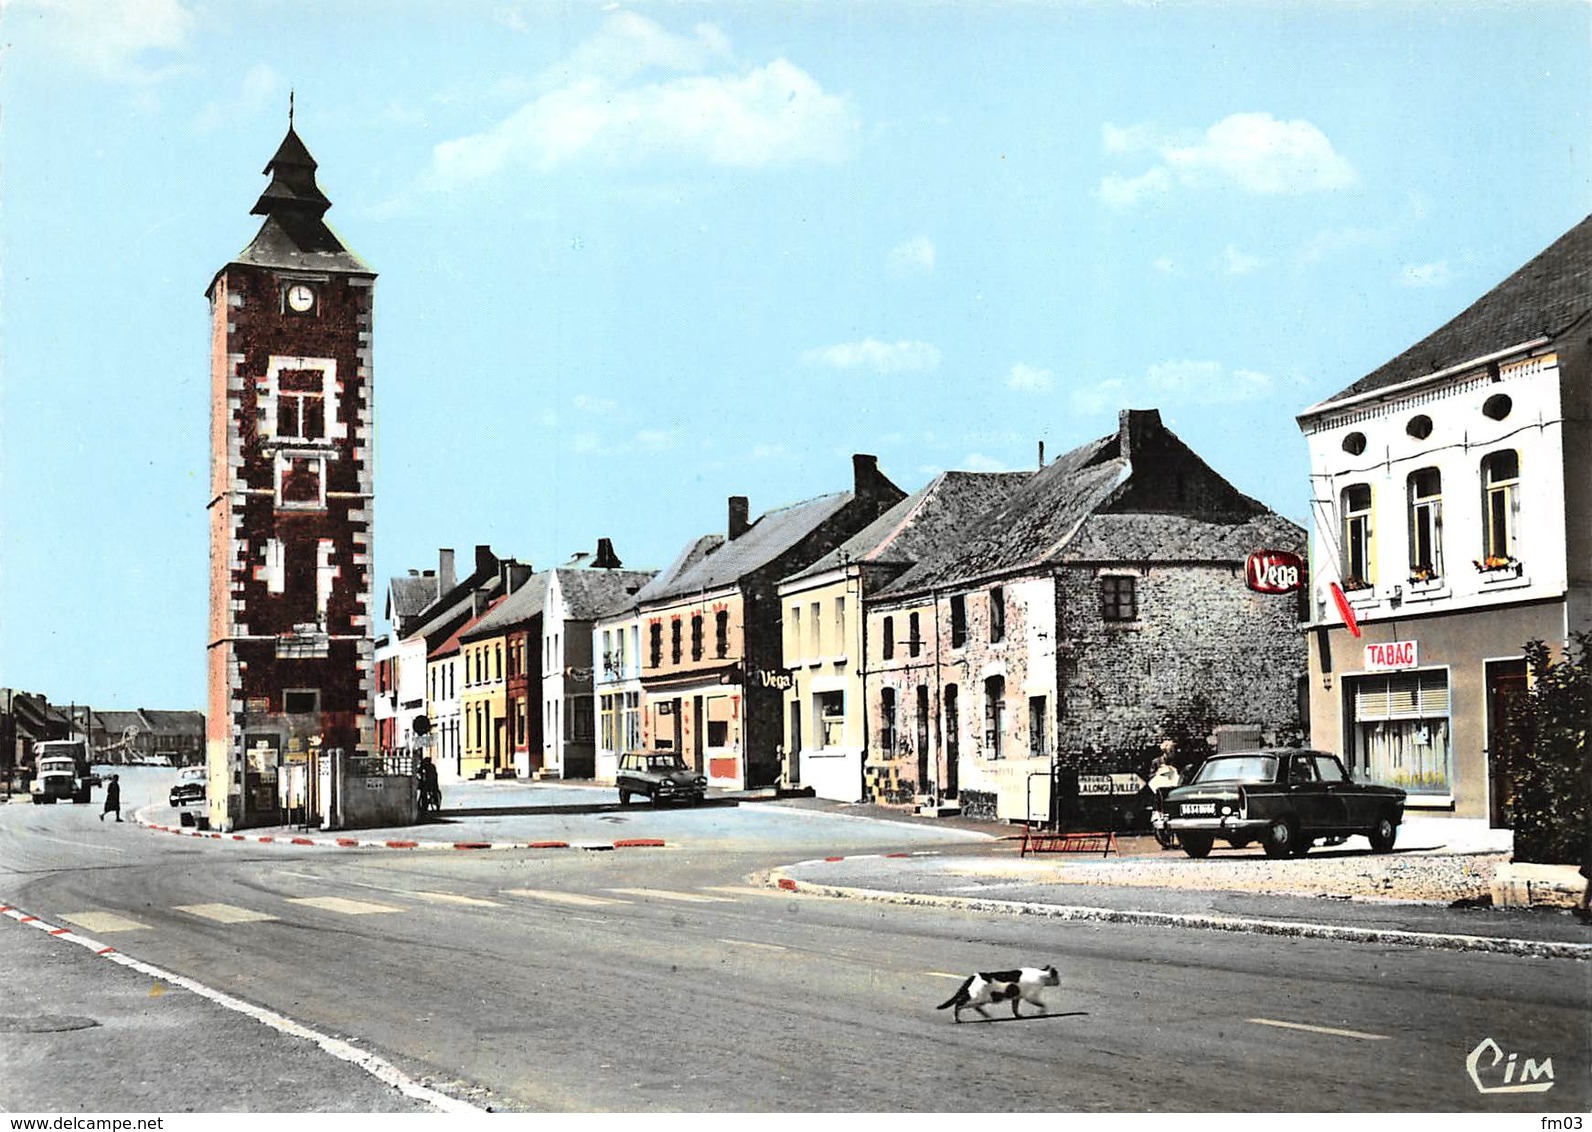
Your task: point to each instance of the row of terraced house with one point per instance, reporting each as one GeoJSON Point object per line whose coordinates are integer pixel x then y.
{"type": "Point", "coordinates": [947, 647]}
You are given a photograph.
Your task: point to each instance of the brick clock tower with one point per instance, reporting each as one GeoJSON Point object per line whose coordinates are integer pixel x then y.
{"type": "Point", "coordinates": [291, 485]}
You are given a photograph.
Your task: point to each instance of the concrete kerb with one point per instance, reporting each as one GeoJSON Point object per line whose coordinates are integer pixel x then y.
{"type": "Point", "coordinates": [1537, 949]}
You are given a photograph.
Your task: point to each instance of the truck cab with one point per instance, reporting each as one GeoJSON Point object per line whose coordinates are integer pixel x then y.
{"type": "Point", "coordinates": [61, 771]}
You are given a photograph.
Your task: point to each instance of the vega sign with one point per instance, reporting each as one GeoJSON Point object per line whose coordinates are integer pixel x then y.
{"type": "Point", "coordinates": [1274, 572]}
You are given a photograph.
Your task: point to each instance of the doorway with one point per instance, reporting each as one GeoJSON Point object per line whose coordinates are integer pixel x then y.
{"type": "Point", "coordinates": [1506, 685]}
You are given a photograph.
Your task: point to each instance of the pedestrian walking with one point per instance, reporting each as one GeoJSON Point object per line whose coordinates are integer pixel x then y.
{"type": "Point", "coordinates": [113, 798]}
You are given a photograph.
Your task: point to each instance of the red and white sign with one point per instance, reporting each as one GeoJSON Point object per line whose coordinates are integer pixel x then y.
{"type": "Point", "coordinates": [1274, 572]}
{"type": "Point", "coordinates": [1393, 654]}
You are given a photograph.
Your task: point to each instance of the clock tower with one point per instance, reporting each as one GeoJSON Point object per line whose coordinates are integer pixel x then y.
{"type": "Point", "coordinates": [291, 485]}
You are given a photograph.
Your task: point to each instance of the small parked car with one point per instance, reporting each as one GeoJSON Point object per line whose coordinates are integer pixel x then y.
{"type": "Point", "coordinates": [659, 775]}
{"type": "Point", "coordinates": [190, 786]}
{"type": "Point", "coordinates": [1285, 798]}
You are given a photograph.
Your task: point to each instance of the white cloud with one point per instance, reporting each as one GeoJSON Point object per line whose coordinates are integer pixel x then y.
{"type": "Point", "coordinates": [1100, 397]}
{"type": "Point", "coordinates": [881, 357]}
{"type": "Point", "coordinates": [111, 41]}
{"type": "Point", "coordinates": [978, 462]}
{"type": "Point", "coordinates": [1426, 274]}
{"type": "Point", "coordinates": [260, 87]}
{"type": "Point", "coordinates": [589, 404]}
{"type": "Point", "coordinates": [770, 452]}
{"type": "Point", "coordinates": [913, 257]}
{"type": "Point", "coordinates": [1030, 379]}
{"type": "Point", "coordinates": [593, 108]}
{"type": "Point", "coordinates": [1166, 265]}
{"type": "Point", "coordinates": [656, 440]}
{"type": "Point", "coordinates": [1235, 262]}
{"type": "Point", "coordinates": [1253, 152]}
{"type": "Point", "coordinates": [1335, 241]}
{"type": "Point", "coordinates": [1206, 382]}
{"type": "Point", "coordinates": [587, 442]}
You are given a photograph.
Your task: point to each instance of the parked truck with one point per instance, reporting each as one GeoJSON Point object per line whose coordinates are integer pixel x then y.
{"type": "Point", "coordinates": [61, 771]}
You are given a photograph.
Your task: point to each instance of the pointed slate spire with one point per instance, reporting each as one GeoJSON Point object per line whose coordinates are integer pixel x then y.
{"type": "Point", "coordinates": [292, 187]}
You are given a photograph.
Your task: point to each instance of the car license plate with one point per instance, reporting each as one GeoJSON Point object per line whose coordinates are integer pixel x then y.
{"type": "Point", "coordinates": [1190, 808]}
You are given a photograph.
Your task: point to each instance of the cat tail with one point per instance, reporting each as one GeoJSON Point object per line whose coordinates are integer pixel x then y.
{"type": "Point", "coordinates": [959, 996]}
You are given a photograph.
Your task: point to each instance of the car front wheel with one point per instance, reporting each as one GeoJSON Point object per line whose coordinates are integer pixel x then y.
{"type": "Point", "coordinates": [1280, 838]}
{"type": "Point", "coordinates": [1383, 834]}
{"type": "Point", "coordinates": [624, 797]}
{"type": "Point", "coordinates": [1196, 845]}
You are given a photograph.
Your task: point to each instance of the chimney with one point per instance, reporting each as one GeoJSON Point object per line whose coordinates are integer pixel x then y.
{"type": "Point", "coordinates": [1041, 453]}
{"type": "Point", "coordinates": [513, 573]}
{"type": "Point", "coordinates": [577, 561]}
{"type": "Point", "coordinates": [485, 561]}
{"type": "Point", "coordinates": [606, 558]}
{"type": "Point", "coordinates": [740, 508]}
{"type": "Point", "coordinates": [1134, 427]}
{"type": "Point", "coordinates": [447, 579]}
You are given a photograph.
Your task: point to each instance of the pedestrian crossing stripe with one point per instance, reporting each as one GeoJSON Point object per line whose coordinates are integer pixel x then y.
{"type": "Point", "coordinates": [574, 898]}
{"type": "Point", "coordinates": [454, 898]}
{"type": "Point", "coordinates": [104, 922]}
{"type": "Point", "coordinates": [345, 907]}
{"type": "Point", "coordinates": [743, 890]}
{"type": "Point", "coordinates": [668, 894]}
{"type": "Point", "coordinates": [225, 913]}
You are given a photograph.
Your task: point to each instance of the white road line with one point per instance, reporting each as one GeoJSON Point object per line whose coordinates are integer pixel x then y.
{"type": "Point", "coordinates": [944, 975]}
{"type": "Point", "coordinates": [670, 894]}
{"type": "Point", "coordinates": [454, 898]}
{"type": "Point", "coordinates": [92, 846]}
{"type": "Point", "coordinates": [340, 905]}
{"type": "Point", "coordinates": [225, 913]}
{"type": "Point", "coordinates": [575, 898]}
{"type": "Point", "coordinates": [1320, 1029]}
{"type": "Point", "coordinates": [104, 922]}
{"type": "Point", "coordinates": [753, 943]}
{"type": "Point", "coordinates": [733, 890]}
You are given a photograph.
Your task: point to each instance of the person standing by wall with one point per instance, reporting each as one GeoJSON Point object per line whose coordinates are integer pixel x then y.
{"type": "Point", "coordinates": [113, 798]}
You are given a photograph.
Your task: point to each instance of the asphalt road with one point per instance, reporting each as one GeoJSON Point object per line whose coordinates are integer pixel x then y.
{"type": "Point", "coordinates": [663, 979]}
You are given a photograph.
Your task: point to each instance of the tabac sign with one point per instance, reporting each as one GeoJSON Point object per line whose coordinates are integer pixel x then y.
{"type": "Point", "coordinates": [1391, 654]}
{"type": "Point", "coordinates": [1274, 571]}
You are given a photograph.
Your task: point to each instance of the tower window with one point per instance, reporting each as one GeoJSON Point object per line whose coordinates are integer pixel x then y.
{"type": "Point", "coordinates": [301, 404]}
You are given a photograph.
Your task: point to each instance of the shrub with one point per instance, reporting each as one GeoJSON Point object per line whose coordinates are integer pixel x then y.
{"type": "Point", "coordinates": [1548, 756]}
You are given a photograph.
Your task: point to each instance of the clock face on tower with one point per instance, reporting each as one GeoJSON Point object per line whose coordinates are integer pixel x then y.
{"type": "Point", "coordinates": [301, 298]}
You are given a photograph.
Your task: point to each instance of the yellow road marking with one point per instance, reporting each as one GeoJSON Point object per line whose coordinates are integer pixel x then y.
{"type": "Point", "coordinates": [104, 922]}
{"type": "Point", "coordinates": [224, 913]}
{"type": "Point", "coordinates": [453, 898]}
{"type": "Point", "coordinates": [575, 898]}
{"type": "Point", "coordinates": [1320, 1029]}
{"type": "Point", "coordinates": [346, 907]}
{"type": "Point", "coordinates": [668, 894]}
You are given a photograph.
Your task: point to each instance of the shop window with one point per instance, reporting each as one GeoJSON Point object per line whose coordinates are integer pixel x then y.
{"type": "Point", "coordinates": [1426, 524]}
{"type": "Point", "coordinates": [997, 615]}
{"type": "Point", "coordinates": [1401, 731]}
{"type": "Point", "coordinates": [1119, 597]}
{"type": "Point", "coordinates": [1357, 558]}
{"type": "Point", "coordinates": [1500, 482]}
{"type": "Point", "coordinates": [721, 713]}
{"type": "Point", "coordinates": [958, 621]}
{"type": "Point", "coordinates": [831, 718]}
{"type": "Point", "coordinates": [887, 647]}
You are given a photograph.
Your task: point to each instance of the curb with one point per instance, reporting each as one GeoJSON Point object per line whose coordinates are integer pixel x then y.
{"type": "Point", "coordinates": [295, 840]}
{"type": "Point", "coordinates": [1530, 948]}
{"type": "Point", "coordinates": [379, 1068]}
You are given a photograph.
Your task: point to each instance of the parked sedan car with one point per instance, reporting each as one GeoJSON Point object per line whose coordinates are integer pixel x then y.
{"type": "Point", "coordinates": [659, 775]}
{"type": "Point", "coordinates": [190, 786]}
{"type": "Point", "coordinates": [1286, 799]}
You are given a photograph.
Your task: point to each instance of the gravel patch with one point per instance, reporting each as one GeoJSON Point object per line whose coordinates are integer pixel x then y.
{"type": "Point", "coordinates": [1427, 878]}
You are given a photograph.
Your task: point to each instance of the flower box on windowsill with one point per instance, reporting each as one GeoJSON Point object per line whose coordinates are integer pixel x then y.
{"type": "Point", "coordinates": [1493, 566]}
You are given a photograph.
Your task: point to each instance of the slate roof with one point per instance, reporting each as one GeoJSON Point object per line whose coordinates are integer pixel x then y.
{"type": "Point", "coordinates": [773, 534]}
{"type": "Point", "coordinates": [408, 594]}
{"type": "Point", "coordinates": [450, 644]}
{"type": "Point", "coordinates": [120, 721]}
{"type": "Point", "coordinates": [694, 552]}
{"type": "Point", "coordinates": [926, 523]}
{"type": "Point", "coordinates": [459, 609]}
{"type": "Point", "coordinates": [1079, 508]}
{"type": "Point", "coordinates": [175, 721]}
{"type": "Point", "coordinates": [524, 603]}
{"type": "Point", "coordinates": [590, 593]}
{"type": "Point", "coordinates": [1543, 299]}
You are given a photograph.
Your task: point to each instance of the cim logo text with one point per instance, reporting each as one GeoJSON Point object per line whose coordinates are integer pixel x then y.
{"type": "Point", "coordinates": [1516, 1076]}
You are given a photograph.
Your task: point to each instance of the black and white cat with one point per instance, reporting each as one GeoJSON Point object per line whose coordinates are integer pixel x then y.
{"type": "Point", "coordinates": [1022, 985]}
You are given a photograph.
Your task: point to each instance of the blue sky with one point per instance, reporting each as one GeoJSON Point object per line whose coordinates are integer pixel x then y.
{"type": "Point", "coordinates": [637, 258]}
